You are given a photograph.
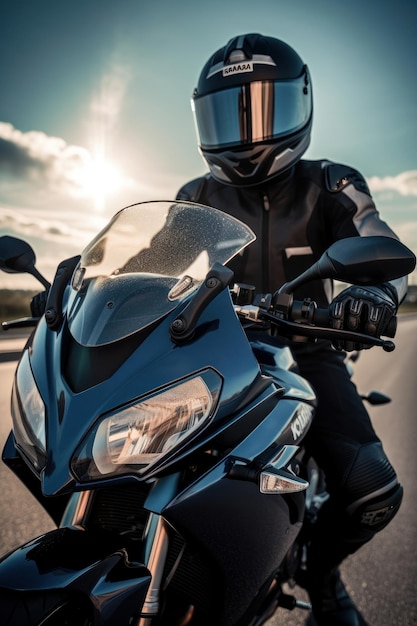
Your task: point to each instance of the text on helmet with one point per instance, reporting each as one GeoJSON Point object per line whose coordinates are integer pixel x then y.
{"type": "Point", "coordinates": [238, 68]}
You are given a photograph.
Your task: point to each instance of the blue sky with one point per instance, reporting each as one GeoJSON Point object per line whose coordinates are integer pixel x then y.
{"type": "Point", "coordinates": [95, 104]}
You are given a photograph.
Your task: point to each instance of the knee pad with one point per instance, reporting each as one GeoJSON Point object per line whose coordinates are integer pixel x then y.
{"type": "Point", "coordinates": [340, 533]}
{"type": "Point", "coordinates": [370, 474]}
{"type": "Point", "coordinates": [377, 512]}
{"type": "Point", "coordinates": [374, 492]}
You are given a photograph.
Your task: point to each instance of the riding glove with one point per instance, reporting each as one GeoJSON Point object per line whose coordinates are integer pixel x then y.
{"type": "Point", "coordinates": [38, 304]}
{"type": "Point", "coordinates": [369, 310]}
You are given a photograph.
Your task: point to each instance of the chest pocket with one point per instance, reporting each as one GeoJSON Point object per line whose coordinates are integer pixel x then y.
{"type": "Point", "coordinates": [297, 260]}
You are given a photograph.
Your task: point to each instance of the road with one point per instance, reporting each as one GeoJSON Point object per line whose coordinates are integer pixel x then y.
{"type": "Point", "coordinates": [382, 577]}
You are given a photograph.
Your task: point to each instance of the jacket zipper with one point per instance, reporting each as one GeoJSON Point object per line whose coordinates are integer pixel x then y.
{"type": "Point", "coordinates": [265, 243]}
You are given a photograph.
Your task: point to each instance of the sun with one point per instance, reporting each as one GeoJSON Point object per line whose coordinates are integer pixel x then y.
{"type": "Point", "coordinates": [101, 179]}
{"type": "Point", "coordinates": [97, 178]}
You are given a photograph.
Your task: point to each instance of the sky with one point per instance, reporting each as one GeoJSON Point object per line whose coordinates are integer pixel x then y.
{"type": "Point", "coordinates": [95, 105]}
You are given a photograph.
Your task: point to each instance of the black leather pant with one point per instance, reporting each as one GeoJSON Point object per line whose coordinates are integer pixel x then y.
{"type": "Point", "coordinates": [363, 486]}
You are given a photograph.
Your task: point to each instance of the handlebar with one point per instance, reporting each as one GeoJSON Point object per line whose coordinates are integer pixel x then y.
{"type": "Point", "coordinates": [23, 322]}
{"type": "Point", "coordinates": [303, 318]}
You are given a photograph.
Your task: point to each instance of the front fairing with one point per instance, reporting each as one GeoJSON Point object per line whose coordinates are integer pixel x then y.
{"type": "Point", "coordinates": [156, 362]}
{"type": "Point", "coordinates": [126, 360]}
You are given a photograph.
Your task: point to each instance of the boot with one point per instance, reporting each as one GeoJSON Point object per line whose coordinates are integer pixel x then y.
{"type": "Point", "coordinates": [330, 601]}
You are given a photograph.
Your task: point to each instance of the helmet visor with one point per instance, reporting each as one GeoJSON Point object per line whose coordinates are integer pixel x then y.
{"type": "Point", "coordinates": [255, 112]}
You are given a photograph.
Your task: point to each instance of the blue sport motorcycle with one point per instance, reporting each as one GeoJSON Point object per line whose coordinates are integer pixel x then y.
{"type": "Point", "coordinates": [160, 423]}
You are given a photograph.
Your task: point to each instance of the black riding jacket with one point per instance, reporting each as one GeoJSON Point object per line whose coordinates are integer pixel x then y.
{"type": "Point", "coordinates": [295, 217]}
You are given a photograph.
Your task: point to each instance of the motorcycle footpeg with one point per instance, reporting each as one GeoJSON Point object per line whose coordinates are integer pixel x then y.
{"type": "Point", "coordinates": [290, 602]}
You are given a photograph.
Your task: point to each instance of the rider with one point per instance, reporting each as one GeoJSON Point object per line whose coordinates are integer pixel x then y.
{"type": "Point", "coordinates": [253, 111]}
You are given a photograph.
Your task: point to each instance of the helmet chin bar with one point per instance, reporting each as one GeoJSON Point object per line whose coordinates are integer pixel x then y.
{"type": "Point", "coordinates": [246, 168]}
{"type": "Point", "coordinates": [239, 167]}
{"type": "Point", "coordinates": [288, 157]}
{"type": "Point", "coordinates": [218, 173]}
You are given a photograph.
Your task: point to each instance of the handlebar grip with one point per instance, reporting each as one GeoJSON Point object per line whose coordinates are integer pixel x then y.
{"type": "Point", "coordinates": [391, 329]}
{"type": "Point", "coordinates": [321, 317]}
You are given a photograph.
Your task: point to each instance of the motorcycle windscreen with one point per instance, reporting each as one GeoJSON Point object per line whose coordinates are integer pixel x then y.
{"type": "Point", "coordinates": [144, 263]}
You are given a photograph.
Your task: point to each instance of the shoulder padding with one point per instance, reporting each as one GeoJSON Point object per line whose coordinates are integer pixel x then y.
{"type": "Point", "coordinates": [338, 176]}
{"type": "Point", "coordinates": [193, 190]}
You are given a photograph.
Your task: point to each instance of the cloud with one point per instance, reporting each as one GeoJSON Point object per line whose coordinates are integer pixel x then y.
{"type": "Point", "coordinates": [37, 169]}
{"type": "Point", "coordinates": [405, 183]}
{"type": "Point", "coordinates": [42, 225]}
{"type": "Point", "coordinates": [39, 158]}
{"type": "Point", "coordinates": [52, 237]}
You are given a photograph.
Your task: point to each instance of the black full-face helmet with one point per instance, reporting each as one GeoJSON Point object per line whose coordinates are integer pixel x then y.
{"type": "Point", "coordinates": [253, 110]}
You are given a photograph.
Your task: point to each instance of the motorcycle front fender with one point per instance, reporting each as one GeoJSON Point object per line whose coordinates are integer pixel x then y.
{"type": "Point", "coordinates": [81, 562]}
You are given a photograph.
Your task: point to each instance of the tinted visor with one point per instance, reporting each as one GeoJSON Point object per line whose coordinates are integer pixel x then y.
{"type": "Point", "coordinates": [251, 113]}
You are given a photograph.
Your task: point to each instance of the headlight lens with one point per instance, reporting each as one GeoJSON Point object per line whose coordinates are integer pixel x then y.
{"type": "Point", "coordinates": [28, 412]}
{"type": "Point", "coordinates": [139, 435]}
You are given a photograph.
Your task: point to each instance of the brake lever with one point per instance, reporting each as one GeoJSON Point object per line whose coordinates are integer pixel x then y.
{"type": "Point", "coordinates": [320, 332]}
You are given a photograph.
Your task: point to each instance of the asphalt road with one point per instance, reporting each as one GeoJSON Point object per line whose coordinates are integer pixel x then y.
{"type": "Point", "coordinates": [382, 577]}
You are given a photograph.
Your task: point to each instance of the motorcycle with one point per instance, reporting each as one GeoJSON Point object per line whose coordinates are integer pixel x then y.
{"type": "Point", "coordinates": [160, 423]}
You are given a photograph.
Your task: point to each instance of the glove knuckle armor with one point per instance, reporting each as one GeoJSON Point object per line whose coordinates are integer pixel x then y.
{"type": "Point", "coordinates": [356, 307]}
{"type": "Point", "coordinates": [367, 310]}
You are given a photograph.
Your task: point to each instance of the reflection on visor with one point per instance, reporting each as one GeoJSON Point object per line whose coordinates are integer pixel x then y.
{"type": "Point", "coordinates": [250, 113]}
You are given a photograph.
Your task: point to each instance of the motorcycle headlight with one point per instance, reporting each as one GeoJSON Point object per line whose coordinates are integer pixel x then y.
{"type": "Point", "coordinates": [28, 413]}
{"type": "Point", "coordinates": [137, 436]}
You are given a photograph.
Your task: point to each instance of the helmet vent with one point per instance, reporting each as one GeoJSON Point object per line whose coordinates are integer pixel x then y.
{"type": "Point", "coordinates": [243, 44]}
{"type": "Point", "coordinates": [236, 56]}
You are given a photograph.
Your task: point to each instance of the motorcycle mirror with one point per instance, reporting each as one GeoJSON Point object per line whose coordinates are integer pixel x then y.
{"type": "Point", "coordinates": [17, 256]}
{"type": "Point", "coordinates": [376, 398]}
{"type": "Point", "coordinates": [360, 260]}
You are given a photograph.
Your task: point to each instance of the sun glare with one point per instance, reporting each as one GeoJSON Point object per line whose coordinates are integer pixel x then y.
{"type": "Point", "coordinates": [97, 179]}
{"type": "Point", "coordinates": [101, 179]}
